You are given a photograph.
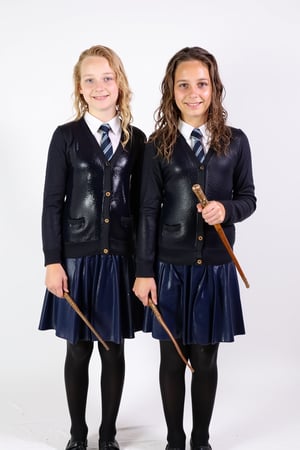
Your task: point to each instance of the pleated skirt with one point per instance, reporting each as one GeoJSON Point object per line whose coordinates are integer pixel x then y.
{"type": "Point", "coordinates": [101, 286]}
{"type": "Point", "coordinates": [200, 304]}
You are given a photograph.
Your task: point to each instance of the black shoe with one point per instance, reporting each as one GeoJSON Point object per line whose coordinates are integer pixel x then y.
{"type": "Point", "coordinates": [76, 445]}
{"type": "Point", "coordinates": [200, 447]}
{"type": "Point", "coordinates": [174, 448]}
{"type": "Point", "coordinates": [108, 445]}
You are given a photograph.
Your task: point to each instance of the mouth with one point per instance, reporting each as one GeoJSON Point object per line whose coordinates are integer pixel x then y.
{"type": "Point", "coordinates": [100, 97]}
{"type": "Point", "coordinates": [193, 104]}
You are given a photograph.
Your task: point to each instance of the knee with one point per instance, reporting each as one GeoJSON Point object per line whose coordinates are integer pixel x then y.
{"type": "Point", "coordinates": [113, 355]}
{"type": "Point", "coordinates": [80, 352]}
{"type": "Point", "coordinates": [170, 362]}
{"type": "Point", "coordinates": [204, 358]}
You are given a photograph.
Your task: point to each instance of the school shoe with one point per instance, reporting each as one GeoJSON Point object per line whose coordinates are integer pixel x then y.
{"type": "Point", "coordinates": [76, 445]}
{"type": "Point", "coordinates": [200, 447]}
{"type": "Point", "coordinates": [108, 445]}
{"type": "Point", "coordinates": [174, 448]}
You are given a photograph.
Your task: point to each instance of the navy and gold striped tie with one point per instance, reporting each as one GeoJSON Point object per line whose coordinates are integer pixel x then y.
{"type": "Point", "coordinates": [105, 142]}
{"type": "Point", "coordinates": [198, 146]}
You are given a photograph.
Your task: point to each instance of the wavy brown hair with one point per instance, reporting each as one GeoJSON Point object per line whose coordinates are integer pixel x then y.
{"type": "Point", "coordinates": [123, 106]}
{"type": "Point", "coordinates": [167, 114]}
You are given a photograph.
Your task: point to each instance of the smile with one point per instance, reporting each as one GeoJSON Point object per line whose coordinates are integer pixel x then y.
{"type": "Point", "coordinates": [193, 105]}
{"type": "Point", "coordinates": [100, 97]}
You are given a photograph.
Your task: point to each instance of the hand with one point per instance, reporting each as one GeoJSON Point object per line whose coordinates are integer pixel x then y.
{"type": "Point", "coordinates": [213, 213]}
{"type": "Point", "coordinates": [145, 288]}
{"type": "Point", "coordinates": [56, 279]}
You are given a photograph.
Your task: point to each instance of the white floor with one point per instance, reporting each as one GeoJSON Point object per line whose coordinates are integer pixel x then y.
{"type": "Point", "coordinates": [257, 405]}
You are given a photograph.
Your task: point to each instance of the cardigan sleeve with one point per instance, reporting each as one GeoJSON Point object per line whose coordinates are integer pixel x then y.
{"type": "Point", "coordinates": [150, 201]}
{"type": "Point", "coordinates": [53, 199]}
{"type": "Point", "coordinates": [243, 202]}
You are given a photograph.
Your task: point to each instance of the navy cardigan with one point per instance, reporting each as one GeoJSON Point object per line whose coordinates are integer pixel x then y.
{"type": "Point", "coordinates": [170, 228]}
{"type": "Point", "coordinates": [90, 205]}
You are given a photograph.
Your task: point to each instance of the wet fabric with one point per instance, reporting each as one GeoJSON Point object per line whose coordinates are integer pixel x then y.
{"type": "Point", "coordinates": [101, 285]}
{"type": "Point", "coordinates": [200, 304]}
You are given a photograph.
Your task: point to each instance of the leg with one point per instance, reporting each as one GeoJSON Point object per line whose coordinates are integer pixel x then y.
{"type": "Point", "coordinates": [112, 380]}
{"type": "Point", "coordinates": [204, 383]}
{"type": "Point", "coordinates": [76, 382]}
{"type": "Point", "coordinates": [172, 386]}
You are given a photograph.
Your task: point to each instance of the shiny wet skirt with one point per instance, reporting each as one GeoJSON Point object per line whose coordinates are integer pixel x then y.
{"type": "Point", "coordinates": [101, 286]}
{"type": "Point", "coordinates": [200, 304]}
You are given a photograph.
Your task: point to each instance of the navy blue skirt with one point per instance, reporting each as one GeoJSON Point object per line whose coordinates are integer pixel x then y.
{"type": "Point", "coordinates": [200, 304]}
{"type": "Point", "coordinates": [101, 286]}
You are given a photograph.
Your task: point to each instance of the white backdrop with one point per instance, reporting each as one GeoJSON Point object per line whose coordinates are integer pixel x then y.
{"type": "Point", "coordinates": [256, 43]}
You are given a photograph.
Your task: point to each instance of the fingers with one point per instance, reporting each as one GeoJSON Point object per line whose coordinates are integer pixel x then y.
{"type": "Point", "coordinates": [153, 295]}
{"type": "Point", "coordinates": [65, 285]}
{"type": "Point", "coordinates": [56, 280]}
{"type": "Point", "coordinates": [213, 213]}
{"type": "Point", "coordinates": [199, 207]}
{"type": "Point", "coordinates": [145, 288]}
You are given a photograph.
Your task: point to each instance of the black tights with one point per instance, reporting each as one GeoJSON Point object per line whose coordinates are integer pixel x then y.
{"type": "Point", "coordinates": [203, 358]}
{"type": "Point", "coordinates": [77, 380]}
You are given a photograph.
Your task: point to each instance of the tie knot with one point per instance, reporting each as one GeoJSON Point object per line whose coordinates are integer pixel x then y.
{"type": "Point", "coordinates": [105, 127]}
{"type": "Point", "coordinates": [196, 134]}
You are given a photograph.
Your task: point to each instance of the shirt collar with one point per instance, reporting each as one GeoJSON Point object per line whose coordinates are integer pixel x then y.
{"type": "Point", "coordinates": [94, 123]}
{"type": "Point", "coordinates": [186, 129]}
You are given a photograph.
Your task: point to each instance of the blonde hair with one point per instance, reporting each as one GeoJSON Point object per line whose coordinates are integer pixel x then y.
{"type": "Point", "coordinates": [123, 106]}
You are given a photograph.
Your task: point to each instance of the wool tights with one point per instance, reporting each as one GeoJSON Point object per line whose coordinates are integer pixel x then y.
{"type": "Point", "coordinates": [203, 358]}
{"type": "Point", "coordinates": [77, 380]}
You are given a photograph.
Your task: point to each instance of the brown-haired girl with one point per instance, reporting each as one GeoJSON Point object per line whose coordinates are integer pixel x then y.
{"type": "Point", "coordinates": [181, 262]}
{"type": "Point", "coordinates": [88, 227]}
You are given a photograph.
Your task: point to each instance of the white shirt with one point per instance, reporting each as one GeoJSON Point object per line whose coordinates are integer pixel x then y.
{"type": "Point", "coordinates": [186, 129]}
{"type": "Point", "coordinates": [115, 129]}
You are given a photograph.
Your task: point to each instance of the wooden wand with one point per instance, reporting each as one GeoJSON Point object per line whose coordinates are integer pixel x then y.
{"type": "Point", "coordinates": [203, 200]}
{"type": "Point", "coordinates": [165, 327]}
{"type": "Point", "coordinates": [90, 326]}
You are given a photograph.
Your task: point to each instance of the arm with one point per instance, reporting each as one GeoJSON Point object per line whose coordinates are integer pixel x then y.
{"type": "Point", "coordinates": [53, 201]}
{"type": "Point", "coordinates": [150, 206]}
{"type": "Point", "coordinates": [243, 202]}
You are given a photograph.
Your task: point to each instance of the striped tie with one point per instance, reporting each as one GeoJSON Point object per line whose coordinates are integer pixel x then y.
{"type": "Point", "coordinates": [105, 142]}
{"type": "Point", "coordinates": [198, 147]}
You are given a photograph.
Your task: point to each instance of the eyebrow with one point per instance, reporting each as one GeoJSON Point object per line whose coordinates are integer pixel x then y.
{"type": "Point", "coordinates": [92, 74]}
{"type": "Point", "coordinates": [185, 80]}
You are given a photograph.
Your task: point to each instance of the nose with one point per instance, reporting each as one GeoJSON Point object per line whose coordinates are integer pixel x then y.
{"type": "Point", "coordinates": [194, 91]}
{"type": "Point", "coordinates": [99, 86]}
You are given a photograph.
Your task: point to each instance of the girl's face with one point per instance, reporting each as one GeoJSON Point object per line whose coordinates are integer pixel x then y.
{"type": "Point", "coordinates": [99, 87]}
{"type": "Point", "coordinates": [192, 91]}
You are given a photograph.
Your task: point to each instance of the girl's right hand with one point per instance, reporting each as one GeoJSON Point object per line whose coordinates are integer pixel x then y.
{"type": "Point", "coordinates": [56, 280]}
{"type": "Point", "coordinates": [145, 288]}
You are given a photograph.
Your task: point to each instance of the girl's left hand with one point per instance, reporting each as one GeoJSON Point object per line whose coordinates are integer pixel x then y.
{"type": "Point", "coordinates": [213, 213]}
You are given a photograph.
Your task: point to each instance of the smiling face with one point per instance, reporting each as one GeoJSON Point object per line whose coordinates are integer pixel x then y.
{"type": "Point", "coordinates": [192, 91]}
{"type": "Point", "coordinates": [99, 87]}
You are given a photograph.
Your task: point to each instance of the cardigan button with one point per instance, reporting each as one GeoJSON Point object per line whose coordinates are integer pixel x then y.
{"type": "Point", "coordinates": [105, 250]}
{"type": "Point", "coordinates": [200, 238]}
{"type": "Point", "coordinates": [199, 261]}
{"type": "Point", "coordinates": [107, 194]}
{"type": "Point", "coordinates": [202, 167]}
{"type": "Point", "coordinates": [106, 220]}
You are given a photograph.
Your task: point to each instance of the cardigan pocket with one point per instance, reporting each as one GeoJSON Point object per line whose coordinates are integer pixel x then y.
{"type": "Point", "coordinates": [74, 229]}
{"type": "Point", "coordinates": [126, 222]}
{"type": "Point", "coordinates": [171, 232]}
